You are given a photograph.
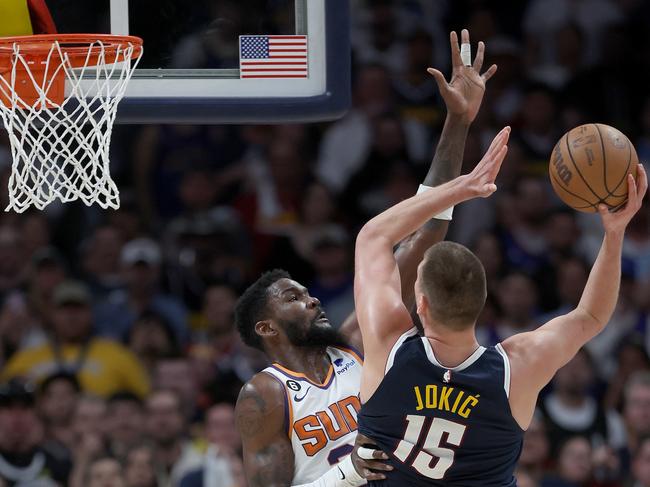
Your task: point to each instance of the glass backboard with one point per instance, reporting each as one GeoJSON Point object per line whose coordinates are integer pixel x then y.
{"type": "Point", "coordinates": [190, 70]}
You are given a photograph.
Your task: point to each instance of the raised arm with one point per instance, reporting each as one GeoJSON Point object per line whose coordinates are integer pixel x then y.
{"type": "Point", "coordinates": [463, 96]}
{"type": "Point", "coordinates": [377, 289]}
{"type": "Point", "coordinates": [536, 356]}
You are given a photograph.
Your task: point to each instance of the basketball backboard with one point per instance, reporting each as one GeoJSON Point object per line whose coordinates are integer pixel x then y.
{"type": "Point", "coordinates": [190, 70]}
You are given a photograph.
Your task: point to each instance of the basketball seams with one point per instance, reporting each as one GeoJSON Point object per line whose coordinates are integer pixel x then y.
{"type": "Point", "coordinates": [602, 147]}
{"type": "Point", "coordinates": [568, 146]}
{"type": "Point", "coordinates": [583, 140]}
{"type": "Point", "coordinates": [627, 169]}
{"type": "Point", "coordinates": [560, 186]}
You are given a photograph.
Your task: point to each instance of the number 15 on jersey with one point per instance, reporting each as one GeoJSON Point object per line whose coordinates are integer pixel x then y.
{"type": "Point", "coordinates": [431, 453]}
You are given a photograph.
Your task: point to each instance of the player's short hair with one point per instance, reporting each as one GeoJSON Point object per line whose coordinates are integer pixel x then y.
{"type": "Point", "coordinates": [453, 280]}
{"type": "Point", "coordinates": [252, 305]}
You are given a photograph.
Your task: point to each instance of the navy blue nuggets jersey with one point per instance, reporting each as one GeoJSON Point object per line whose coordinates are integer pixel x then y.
{"type": "Point", "coordinates": [443, 426]}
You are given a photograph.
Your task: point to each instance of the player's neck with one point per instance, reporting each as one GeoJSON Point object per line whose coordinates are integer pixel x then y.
{"type": "Point", "coordinates": [451, 347]}
{"type": "Point", "coordinates": [313, 362]}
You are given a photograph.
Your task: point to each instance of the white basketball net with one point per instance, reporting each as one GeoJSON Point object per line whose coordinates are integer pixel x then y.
{"type": "Point", "coordinates": [61, 150]}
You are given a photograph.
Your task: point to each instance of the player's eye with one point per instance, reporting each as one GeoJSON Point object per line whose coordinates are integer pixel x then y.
{"type": "Point", "coordinates": [293, 298]}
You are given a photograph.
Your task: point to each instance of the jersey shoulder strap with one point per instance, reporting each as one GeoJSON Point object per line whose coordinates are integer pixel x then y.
{"type": "Point", "coordinates": [404, 337]}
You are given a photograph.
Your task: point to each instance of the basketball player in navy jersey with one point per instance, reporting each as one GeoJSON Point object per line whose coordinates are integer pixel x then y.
{"type": "Point", "coordinates": [448, 411]}
{"type": "Point", "coordinates": [298, 417]}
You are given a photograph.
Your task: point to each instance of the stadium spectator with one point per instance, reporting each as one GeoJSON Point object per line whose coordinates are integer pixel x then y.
{"type": "Point", "coordinates": [105, 471]}
{"type": "Point", "coordinates": [56, 401]}
{"type": "Point", "coordinates": [535, 453]}
{"type": "Point", "coordinates": [571, 411]}
{"type": "Point", "coordinates": [636, 414]}
{"type": "Point", "coordinates": [124, 423]}
{"type": "Point", "coordinates": [23, 457]}
{"type": "Point", "coordinates": [141, 261]}
{"type": "Point", "coordinates": [139, 469]}
{"type": "Point", "coordinates": [103, 366]}
{"type": "Point", "coordinates": [222, 464]}
{"type": "Point", "coordinates": [101, 260]}
{"type": "Point", "coordinates": [641, 465]}
{"type": "Point", "coordinates": [174, 453]}
{"type": "Point", "coordinates": [151, 339]}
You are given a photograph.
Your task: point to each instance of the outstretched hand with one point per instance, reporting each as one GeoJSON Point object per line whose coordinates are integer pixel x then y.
{"type": "Point", "coordinates": [464, 93]}
{"type": "Point", "coordinates": [480, 182]}
{"type": "Point", "coordinates": [616, 222]}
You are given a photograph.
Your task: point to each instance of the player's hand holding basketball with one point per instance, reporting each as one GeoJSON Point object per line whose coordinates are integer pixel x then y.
{"type": "Point", "coordinates": [464, 93]}
{"type": "Point", "coordinates": [480, 182]}
{"type": "Point", "coordinates": [615, 222]}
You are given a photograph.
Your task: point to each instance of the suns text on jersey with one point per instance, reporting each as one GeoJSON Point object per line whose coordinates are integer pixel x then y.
{"type": "Point", "coordinates": [445, 398]}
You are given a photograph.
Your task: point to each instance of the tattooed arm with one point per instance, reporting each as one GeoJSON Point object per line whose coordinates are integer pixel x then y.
{"type": "Point", "coordinates": [463, 96]}
{"type": "Point", "coordinates": [260, 413]}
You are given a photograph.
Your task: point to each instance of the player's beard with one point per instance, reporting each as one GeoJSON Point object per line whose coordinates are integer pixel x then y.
{"type": "Point", "coordinates": [314, 336]}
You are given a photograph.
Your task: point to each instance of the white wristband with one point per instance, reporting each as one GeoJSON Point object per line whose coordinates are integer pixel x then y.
{"type": "Point", "coordinates": [342, 474]}
{"type": "Point", "coordinates": [443, 215]}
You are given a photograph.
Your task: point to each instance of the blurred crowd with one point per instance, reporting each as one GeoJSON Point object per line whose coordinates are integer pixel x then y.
{"type": "Point", "coordinates": [119, 361]}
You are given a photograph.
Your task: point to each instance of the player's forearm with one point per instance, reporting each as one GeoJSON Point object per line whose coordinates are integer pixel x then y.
{"type": "Point", "coordinates": [406, 217]}
{"type": "Point", "coordinates": [445, 166]}
{"type": "Point", "coordinates": [271, 468]}
{"type": "Point", "coordinates": [448, 158]}
{"type": "Point", "coordinates": [601, 291]}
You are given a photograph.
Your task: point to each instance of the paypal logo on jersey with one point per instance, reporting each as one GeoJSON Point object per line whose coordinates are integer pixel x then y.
{"type": "Point", "coordinates": [342, 368]}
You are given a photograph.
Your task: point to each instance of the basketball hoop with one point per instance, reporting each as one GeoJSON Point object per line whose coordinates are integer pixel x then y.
{"type": "Point", "coordinates": [58, 100]}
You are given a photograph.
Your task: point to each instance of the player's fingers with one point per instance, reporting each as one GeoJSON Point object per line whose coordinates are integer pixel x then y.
{"type": "Point", "coordinates": [369, 475]}
{"type": "Point", "coordinates": [375, 465]}
{"type": "Point", "coordinates": [371, 453]}
{"type": "Point", "coordinates": [464, 36]}
{"type": "Point", "coordinates": [603, 210]}
{"type": "Point", "coordinates": [489, 73]}
{"type": "Point", "coordinates": [632, 197]}
{"type": "Point", "coordinates": [480, 53]}
{"type": "Point", "coordinates": [465, 48]}
{"type": "Point", "coordinates": [642, 176]}
{"type": "Point", "coordinates": [455, 49]}
{"type": "Point", "coordinates": [440, 79]}
{"type": "Point", "coordinates": [379, 455]}
{"type": "Point", "coordinates": [498, 160]}
{"type": "Point", "coordinates": [498, 141]}
{"type": "Point", "coordinates": [489, 189]}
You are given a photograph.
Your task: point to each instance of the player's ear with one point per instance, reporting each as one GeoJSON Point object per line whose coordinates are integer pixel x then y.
{"type": "Point", "coordinates": [265, 328]}
{"type": "Point", "coordinates": [422, 304]}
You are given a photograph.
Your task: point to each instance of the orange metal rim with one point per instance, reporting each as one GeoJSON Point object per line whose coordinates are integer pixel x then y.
{"type": "Point", "coordinates": [38, 46]}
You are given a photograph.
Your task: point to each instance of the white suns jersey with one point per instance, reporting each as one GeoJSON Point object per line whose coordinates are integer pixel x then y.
{"type": "Point", "coordinates": [321, 419]}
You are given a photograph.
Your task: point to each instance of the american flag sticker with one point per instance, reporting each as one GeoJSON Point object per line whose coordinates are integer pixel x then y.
{"type": "Point", "coordinates": [273, 57]}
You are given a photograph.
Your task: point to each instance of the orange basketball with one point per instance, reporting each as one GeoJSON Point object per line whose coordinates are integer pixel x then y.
{"type": "Point", "coordinates": [589, 166]}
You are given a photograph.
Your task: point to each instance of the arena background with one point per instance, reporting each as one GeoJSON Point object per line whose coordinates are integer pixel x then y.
{"type": "Point", "coordinates": [205, 209]}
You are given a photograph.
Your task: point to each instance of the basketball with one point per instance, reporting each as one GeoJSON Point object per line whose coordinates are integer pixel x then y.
{"type": "Point", "coordinates": [589, 166]}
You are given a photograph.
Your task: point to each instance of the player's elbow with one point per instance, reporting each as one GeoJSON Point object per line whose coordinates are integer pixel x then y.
{"type": "Point", "coordinates": [371, 236]}
{"type": "Point", "coordinates": [591, 318]}
{"type": "Point", "coordinates": [591, 324]}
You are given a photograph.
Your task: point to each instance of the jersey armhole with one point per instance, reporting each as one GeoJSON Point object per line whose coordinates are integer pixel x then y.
{"type": "Point", "coordinates": [400, 341]}
{"type": "Point", "coordinates": [506, 369]}
{"type": "Point", "coordinates": [288, 409]}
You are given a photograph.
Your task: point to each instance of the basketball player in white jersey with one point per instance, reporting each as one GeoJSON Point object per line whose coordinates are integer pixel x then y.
{"type": "Point", "coordinates": [298, 417]}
